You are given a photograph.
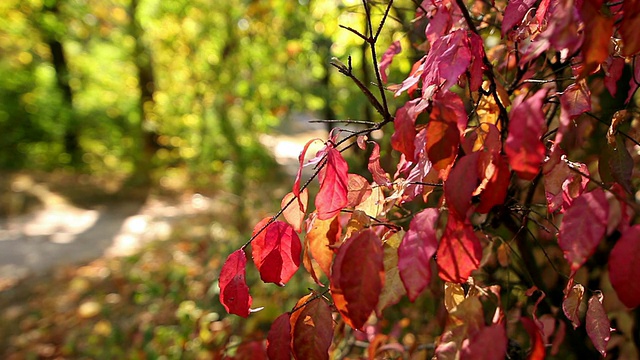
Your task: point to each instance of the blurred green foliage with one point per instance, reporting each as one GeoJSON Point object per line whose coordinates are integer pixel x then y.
{"type": "Point", "coordinates": [223, 73]}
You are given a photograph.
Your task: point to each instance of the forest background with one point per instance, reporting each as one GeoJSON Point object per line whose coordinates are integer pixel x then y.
{"type": "Point", "coordinates": [112, 100]}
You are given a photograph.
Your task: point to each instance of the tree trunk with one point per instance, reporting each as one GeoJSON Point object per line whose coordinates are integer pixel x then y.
{"type": "Point", "coordinates": [59, 60]}
{"type": "Point", "coordinates": [146, 131]}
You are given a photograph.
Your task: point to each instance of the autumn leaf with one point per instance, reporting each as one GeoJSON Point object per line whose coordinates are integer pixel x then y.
{"type": "Point", "coordinates": [597, 324]}
{"type": "Point", "coordinates": [393, 289]}
{"type": "Point", "coordinates": [294, 213]}
{"type": "Point", "coordinates": [234, 292]}
{"type": "Point", "coordinates": [490, 343]}
{"type": "Point", "coordinates": [332, 196]}
{"type": "Point", "coordinates": [571, 304]}
{"type": "Point", "coordinates": [575, 100]}
{"type": "Point", "coordinates": [418, 246]}
{"type": "Point", "coordinates": [279, 338]}
{"type": "Point", "coordinates": [537, 351]}
{"type": "Point", "coordinates": [358, 190]}
{"type": "Point", "coordinates": [629, 27]}
{"type": "Point", "coordinates": [311, 329]}
{"type": "Point", "coordinates": [276, 251]}
{"type": "Point", "coordinates": [322, 234]}
{"type": "Point", "coordinates": [459, 252]}
{"type": "Point", "coordinates": [624, 268]}
{"type": "Point", "coordinates": [296, 184]}
{"type": "Point", "coordinates": [583, 227]}
{"type": "Point", "coordinates": [405, 130]}
{"type": "Point", "coordinates": [447, 120]}
{"type": "Point", "coordinates": [514, 13]}
{"type": "Point", "coordinates": [524, 146]}
{"type": "Point", "coordinates": [387, 58]}
{"type": "Point", "coordinates": [357, 277]}
{"type": "Point", "coordinates": [461, 183]}
{"type": "Point", "coordinates": [496, 178]}
{"type": "Point", "coordinates": [598, 30]}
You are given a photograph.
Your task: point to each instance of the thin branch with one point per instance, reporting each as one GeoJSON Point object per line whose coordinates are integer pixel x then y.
{"type": "Point", "coordinates": [618, 131]}
{"type": "Point", "coordinates": [316, 296]}
{"type": "Point", "coordinates": [360, 122]}
{"type": "Point", "coordinates": [356, 32]}
{"type": "Point", "coordinates": [624, 199]}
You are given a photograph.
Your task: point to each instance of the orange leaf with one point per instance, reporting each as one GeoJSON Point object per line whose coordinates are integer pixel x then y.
{"type": "Point", "coordinates": [294, 213]}
{"type": "Point", "coordinates": [321, 236]}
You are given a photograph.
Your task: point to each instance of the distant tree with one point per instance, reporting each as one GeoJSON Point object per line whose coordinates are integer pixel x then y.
{"type": "Point", "coordinates": [510, 218]}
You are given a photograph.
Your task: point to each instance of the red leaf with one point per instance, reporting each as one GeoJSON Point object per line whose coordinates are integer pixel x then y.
{"type": "Point", "coordinates": [405, 130]}
{"type": "Point", "coordinates": [252, 350]}
{"type": "Point", "coordinates": [514, 13]}
{"type": "Point", "coordinates": [624, 268]}
{"type": "Point", "coordinates": [571, 303]}
{"type": "Point", "coordinates": [294, 213]}
{"type": "Point", "coordinates": [629, 27]}
{"type": "Point", "coordinates": [234, 292]}
{"type": "Point", "coordinates": [387, 58]}
{"type": "Point", "coordinates": [321, 236]}
{"type": "Point", "coordinates": [583, 226]}
{"type": "Point", "coordinates": [332, 196]}
{"type": "Point", "coordinates": [311, 329]}
{"type": "Point", "coordinates": [276, 251]}
{"type": "Point", "coordinates": [524, 147]}
{"type": "Point", "coordinates": [279, 338]}
{"type": "Point", "coordinates": [418, 246]}
{"type": "Point", "coordinates": [439, 24]}
{"type": "Point", "coordinates": [598, 30]}
{"type": "Point", "coordinates": [459, 186]}
{"type": "Point", "coordinates": [597, 323]}
{"type": "Point", "coordinates": [459, 252]}
{"type": "Point", "coordinates": [498, 178]}
{"type": "Point", "coordinates": [357, 277]}
{"type": "Point", "coordinates": [358, 190]}
{"type": "Point", "coordinates": [447, 120]}
{"type": "Point", "coordinates": [490, 343]}
{"type": "Point", "coordinates": [379, 175]}
{"type": "Point", "coordinates": [537, 346]}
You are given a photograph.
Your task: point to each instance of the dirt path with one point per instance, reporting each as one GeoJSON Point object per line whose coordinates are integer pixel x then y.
{"type": "Point", "coordinates": [61, 233]}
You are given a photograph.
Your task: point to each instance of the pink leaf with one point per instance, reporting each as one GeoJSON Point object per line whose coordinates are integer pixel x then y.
{"type": "Point", "coordinates": [358, 190]}
{"type": "Point", "coordinates": [387, 58]}
{"type": "Point", "coordinates": [597, 323]}
{"type": "Point", "coordinates": [524, 146]}
{"type": "Point", "coordinates": [296, 184]}
{"type": "Point", "coordinates": [477, 67]}
{"type": "Point", "coordinates": [448, 58]}
{"type": "Point", "coordinates": [514, 13]}
{"type": "Point", "coordinates": [332, 196]}
{"type": "Point", "coordinates": [418, 246]}
{"type": "Point", "coordinates": [561, 184]}
{"type": "Point", "coordinates": [490, 343]}
{"type": "Point", "coordinates": [279, 338]}
{"type": "Point", "coordinates": [624, 267]}
{"type": "Point", "coordinates": [459, 186]}
{"type": "Point", "coordinates": [583, 226]}
{"type": "Point", "coordinates": [459, 252]}
{"type": "Point", "coordinates": [276, 251]}
{"type": "Point", "coordinates": [234, 292]}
